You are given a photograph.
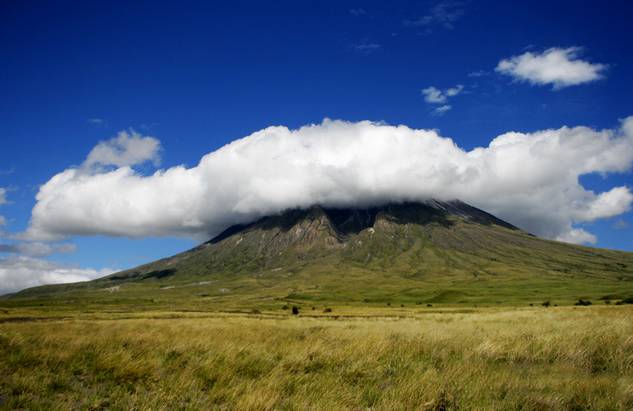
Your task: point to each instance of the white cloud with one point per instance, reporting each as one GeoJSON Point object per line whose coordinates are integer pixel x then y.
{"type": "Point", "coordinates": [559, 67]}
{"type": "Point", "coordinates": [18, 272]}
{"type": "Point", "coordinates": [528, 179]}
{"type": "Point", "coordinates": [3, 200]}
{"type": "Point", "coordinates": [126, 149]}
{"type": "Point", "coordinates": [433, 95]}
{"type": "Point", "coordinates": [453, 91]}
{"type": "Point", "coordinates": [611, 203]}
{"type": "Point", "coordinates": [577, 236]}
{"type": "Point", "coordinates": [37, 249]}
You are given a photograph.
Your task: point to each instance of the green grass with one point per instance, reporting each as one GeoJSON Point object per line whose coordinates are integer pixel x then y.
{"type": "Point", "coordinates": [564, 358]}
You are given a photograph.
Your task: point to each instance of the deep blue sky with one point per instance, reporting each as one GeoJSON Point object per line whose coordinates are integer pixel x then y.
{"type": "Point", "coordinates": [197, 75]}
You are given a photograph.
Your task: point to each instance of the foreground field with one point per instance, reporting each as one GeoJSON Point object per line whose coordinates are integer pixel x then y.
{"type": "Point", "coordinates": [563, 358]}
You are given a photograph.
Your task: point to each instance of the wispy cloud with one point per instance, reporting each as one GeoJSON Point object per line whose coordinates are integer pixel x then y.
{"type": "Point", "coordinates": [478, 73]}
{"type": "Point", "coordinates": [358, 12]}
{"type": "Point", "coordinates": [366, 47]}
{"type": "Point", "coordinates": [8, 171]}
{"type": "Point", "coordinates": [439, 111]}
{"type": "Point", "coordinates": [37, 249]}
{"type": "Point", "coordinates": [442, 14]}
{"type": "Point", "coordinates": [621, 224]}
{"type": "Point", "coordinates": [559, 67]}
{"type": "Point", "coordinates": [97, 122]}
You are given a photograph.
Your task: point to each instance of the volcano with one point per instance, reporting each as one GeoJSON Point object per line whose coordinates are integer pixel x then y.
{"type": "Point", "coordinates": [429, 252]}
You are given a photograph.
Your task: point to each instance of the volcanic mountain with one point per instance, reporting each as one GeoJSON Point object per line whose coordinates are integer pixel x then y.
{"type": "Point", "coordinates": [406, 253]}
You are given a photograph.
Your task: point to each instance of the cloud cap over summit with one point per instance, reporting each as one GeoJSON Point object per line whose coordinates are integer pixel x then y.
{"type": "Point", "coordinates": [528, 179]}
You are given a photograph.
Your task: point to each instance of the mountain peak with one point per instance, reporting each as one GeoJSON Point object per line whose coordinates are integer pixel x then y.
{"type": "Point", "coordinates": [341, 223]}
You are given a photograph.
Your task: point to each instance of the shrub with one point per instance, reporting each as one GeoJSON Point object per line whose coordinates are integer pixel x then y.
{"type": "Point", "coordinates": [582, 302]}
{"type": "Point", "coordinates": [546, 304]}
{"type": "Point", "coordinates": [285, 307]}
{"type": "Point", "coordinates": [429, 305]}
{"type": "Point", "coordinates": [295, 310]}
{"type": "Point", "coordinates": [401, 305]}
{"type": "Point", "coordinates": [327, 310]}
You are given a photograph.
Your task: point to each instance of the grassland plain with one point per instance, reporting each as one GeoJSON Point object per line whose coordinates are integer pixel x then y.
{"type": "Point", "coordinates": [430, 358]}
{"type": "Point", "coordinates": [430, 306]}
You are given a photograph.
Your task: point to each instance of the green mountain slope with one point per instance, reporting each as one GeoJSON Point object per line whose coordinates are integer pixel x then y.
{"type": "Point", "coordinates": [413, 253]}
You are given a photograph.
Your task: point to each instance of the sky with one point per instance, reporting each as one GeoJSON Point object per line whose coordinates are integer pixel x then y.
{"type": "Point", "coordinates": [117, 118]}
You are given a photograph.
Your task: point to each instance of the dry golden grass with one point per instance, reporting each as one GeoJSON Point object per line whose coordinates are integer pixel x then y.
{"type": "Point", "coordinates": [524, 359]}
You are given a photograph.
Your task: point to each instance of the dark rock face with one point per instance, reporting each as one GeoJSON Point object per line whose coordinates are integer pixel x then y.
{"type": "Point", "coordinates": [340, 223]}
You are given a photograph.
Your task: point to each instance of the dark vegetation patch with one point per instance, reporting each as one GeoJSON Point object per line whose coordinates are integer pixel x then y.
{"type": "Point", "coordinates": [448, 296]}
{"type": "Point", "coordinates": [158, 274]}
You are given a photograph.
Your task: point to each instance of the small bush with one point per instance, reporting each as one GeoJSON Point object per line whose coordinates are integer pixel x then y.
{"type": "Point", "coordinates": [255, 311]}
{"type": "Point", "coordinates": [546, 304]}
{"type": "Point", "coordinates": [327, 310]}
{"type": "Point", "coordinates": [389, 304]}
{"type": "Point", "coordinates": [295, 310]}
{"type": "Point", "coordinates": [429, 305]}
{"type": "Point", "coordinates": [401, 305]}
{"type": "Point", "coordinates": [582, 302]}
{"type": "Point", "coordinates": [285, 307]}
{"type": "Point", "coordinates": [627, 300]}
{"type": "Point", "coordinates": [611, 297]}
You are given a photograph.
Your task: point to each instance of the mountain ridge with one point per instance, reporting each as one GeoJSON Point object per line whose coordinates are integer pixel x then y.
{"type": "Point", "coordinates": [434, 251]}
